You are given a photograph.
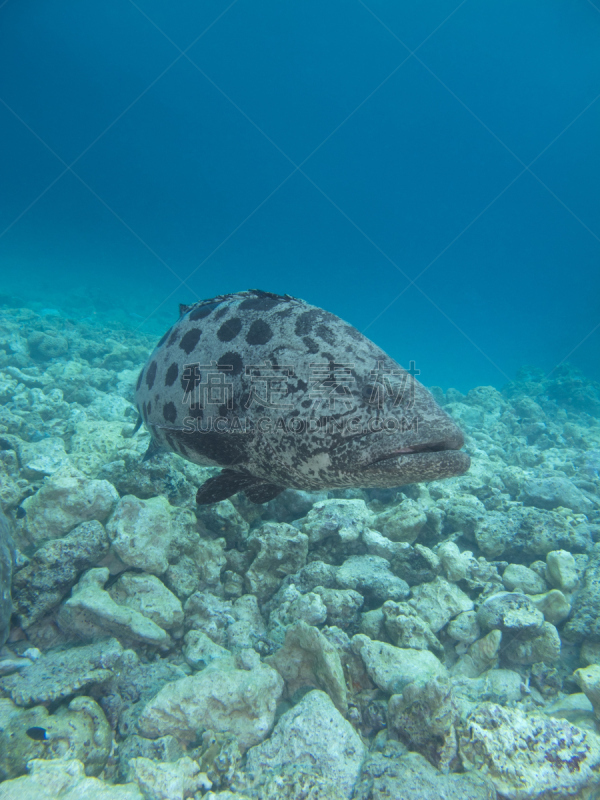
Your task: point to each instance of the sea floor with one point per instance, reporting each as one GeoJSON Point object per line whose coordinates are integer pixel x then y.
{"type": "Point", "coordinates": [435, 640]}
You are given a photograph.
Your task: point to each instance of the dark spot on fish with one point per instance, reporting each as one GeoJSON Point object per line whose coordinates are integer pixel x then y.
{"type": "Point", "coordinates": [221, 311]}
{"type": "Point", "coordinates": [151, 375]}
{"type": "Point", "coordinates": [139, 381]}
{"type": "Point", "coordinates": [223, 410]}
{"type": "Point", "coordinates": [306, 403]}
{"type": "Point", "coordinates": [260, 303]}
{"type": "Point", "coordinates": [149, 407]}
{"type": "Point", "coordinates": [190, 377]}
{"type": "Point", "coordinates": [37, 733]}
{"type": "Point", "coordinates": [171, 375]}
{"type": "Point", "coordinates": [174, 337]}
{"type": "Point", "coordinates": [231, 359]}
{"type": "Point", "coordinates": [311, 345]}
{"type": "Point", "coordinates": [229, 329]}
{"type": "Point", "coordinates": [202, 311]}
{"type": "Point", "coordinates": [306, 320]}
{"type": "Point", "coordinates": [325, 333]}
{"type": "Point", "coordinates": [169, 412]}
{"type": "Point", "coordinates": [190, 340]}
{"type": "Point", "coordinates": [20, 512]}
{"type": "Point", "coordinates": [144, 412]}
{"type": "Point", "coordinates": [285, 313]}
{"type": "Point", "coordinates": [164, 338]}
{"type": "Point", "coordinates": [301, 386]}
{"type": "Point", "coordinates": [260, 332]}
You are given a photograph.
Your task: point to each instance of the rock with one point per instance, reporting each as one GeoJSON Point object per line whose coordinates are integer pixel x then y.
{"type": "Point", "coordinates": [402, 523]}
{"type": "Point", "coordinates": [415, 565]}
{"type": "Point", "coordinates": [464, 628]}
{"type": "Point", "coordinates": [97, 448]}
{"type": "Point", "coordinates": [394, 773]}
{"type": "Point", "coordinates": [584, 622]}
{"type": "Point", "coordinates": [553, 492]}
{"type": "Point", "coordinates": [529, 757]}
{"type": "Point", "coordinates": [293, 504]}
{"type": "Point", "coordinates": [54, 568]}
{"type": "Point", "coordinates": [342, 606]}
{"type": "Point", "coordinates": [531, 647]}
{"type": "Point", "coordinates": [141, 532]}
{"type": "Point", "coordinates": [542, 531]}
{"type": "Point", "coordinates": [439, 601]}
{"type": "Point", "coordinates": [308, 659]}
{"type": "Point", "coordinates": [200, 651]}
{"type": "Point", "coordinates": [238, 701]}
{"type": "Point", "coordinates": [223, 519]}
{"type": "Point", "coordinates": [454, 563]}
{"type": "Point", "coordinates": [313, 734]}
{"type": "Point", "coordinates": [210, 614]}
{"type": "Point", "coordinates": [523, 579]}
{"type": "Point", "coordinates": [371, 576]}
{"type": "Point", "coordinates": [281, 550]}
{"type": "Point", "coordinates": [341, 520]}
{"type": "Point", "coordinates": [46, 346]}
{"type": "Point", "coordinates": [495, 533]}
{"type": "Point", "coordinates": [509, 611]}
{"type": "Point", "coordinates": [424, 717]}
{"type": "Point", "coordinates": [504, 686]}
{"type": "Point", "coordinates": [147, 595]}
{"type": "Point", "coordinates": [561, 570]}
{"type": "Point", "coordinates": [79, 731]}
{"type": "Point", "coordinates": [588, 679]}
{"type": "Point", "coordinates": [132, 685]}
{"type": "Point", "coordinates": [43, 458]}
{"type": "Point", "coordinates": [7, 556]}
{"type": "Point", "coordinates": [58, 674]}
{"type": "Point", "coordinates": [91, 613]}
{"type": "Point", "coordinates": [482, 655]}
{"type": "Point", "coordinates": [247, 627]}
{"type": "Point", "coordinates": [62, 503]}
{"type": "Point", "coordinates": [553, 604]}
{"type": "Point", "coordinates": [166, 748]}
{"type": "Point", "coordinates": [295, 607]}
{"type": "Point", "coordinates": [464, 513]}
{"type": "Point", "coordinates": [169, 781]}
{"type": "Point", "coordinates": [64, 780]}
{"type": "Point", "coordinates": [392, 668]}
{"type": "Point", "coordinates": [575, 708]}
{"type": "Point", "coordinates": [219, 758]}
{"type": "Point", "coordinates": [406, 628]}
{"type": "Point", "coordinates": [198, 568]}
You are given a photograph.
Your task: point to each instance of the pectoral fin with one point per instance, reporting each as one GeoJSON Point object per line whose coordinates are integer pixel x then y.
{"type": "Point", "coordinates": [229, 482]}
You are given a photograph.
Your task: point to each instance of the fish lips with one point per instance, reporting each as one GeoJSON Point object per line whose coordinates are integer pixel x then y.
{"type": "Point", "coordinates": [423, 462]}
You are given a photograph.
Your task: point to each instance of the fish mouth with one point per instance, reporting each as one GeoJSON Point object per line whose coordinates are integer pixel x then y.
{"type": "Point", "coordinates": [429, 461]}
{"type": "Point", "coordinates": [444, 446]}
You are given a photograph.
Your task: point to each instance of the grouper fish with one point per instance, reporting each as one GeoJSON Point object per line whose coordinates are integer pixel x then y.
{"type": "Point", "coordinates": [282, 394]}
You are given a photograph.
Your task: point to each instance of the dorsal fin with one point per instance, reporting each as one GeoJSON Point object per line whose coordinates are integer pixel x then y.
{"type": "Point", "coordinates": [183, 309]}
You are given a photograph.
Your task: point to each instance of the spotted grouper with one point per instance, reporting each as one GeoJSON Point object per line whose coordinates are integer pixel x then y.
{"type": "Point", "coordinates": [282, 394]}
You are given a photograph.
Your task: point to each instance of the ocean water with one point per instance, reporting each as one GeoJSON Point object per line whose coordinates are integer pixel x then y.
{"type": "Point", "coordinates": [429, 173]}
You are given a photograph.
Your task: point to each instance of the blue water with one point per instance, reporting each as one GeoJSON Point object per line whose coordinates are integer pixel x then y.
{"type": "Point", "coordinates": [428, 171]}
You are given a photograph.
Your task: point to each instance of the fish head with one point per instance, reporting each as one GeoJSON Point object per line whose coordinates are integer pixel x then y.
{"type": "Point", "coordinates": [397, 443]}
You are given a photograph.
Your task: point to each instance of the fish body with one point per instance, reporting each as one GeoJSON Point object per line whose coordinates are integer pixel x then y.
{"type": "Point", "coordinates": [282, 394]}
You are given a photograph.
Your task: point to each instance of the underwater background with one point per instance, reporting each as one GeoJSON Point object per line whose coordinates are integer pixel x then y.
{"type": "Point", "coordinates": [430, 173]}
